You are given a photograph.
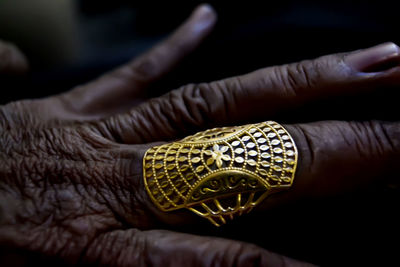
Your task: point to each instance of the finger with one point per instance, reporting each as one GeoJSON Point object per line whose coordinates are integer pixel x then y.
{"type": "Point", "coordinates": [120, 89]}
{"type": "Point", "coordinates": [12, 61]}
{"type": "Point", "coordinates": [255, 96]}
{"type": "Point", "coordinates": [164, 248]}
{"type": "Point", "coordinates": [336, 157]}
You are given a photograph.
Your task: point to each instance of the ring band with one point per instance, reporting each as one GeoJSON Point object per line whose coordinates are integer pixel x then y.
{"type": "Point", "coordinates": [221, 172]}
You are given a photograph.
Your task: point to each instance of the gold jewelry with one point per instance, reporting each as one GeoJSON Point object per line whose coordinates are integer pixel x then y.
{"type": "Point", "coordinates": [221, 172]}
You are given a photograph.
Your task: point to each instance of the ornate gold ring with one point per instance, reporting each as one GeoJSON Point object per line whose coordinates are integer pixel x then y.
{"type": "Point", "coordinates": [221, 172]}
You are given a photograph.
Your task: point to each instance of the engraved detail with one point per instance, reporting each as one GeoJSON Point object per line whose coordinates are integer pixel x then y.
{"type": "Point", "coordinates": [221, 172]}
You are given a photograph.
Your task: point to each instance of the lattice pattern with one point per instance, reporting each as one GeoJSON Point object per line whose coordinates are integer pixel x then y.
{"type": "Point", "coordinates": [220, 163]}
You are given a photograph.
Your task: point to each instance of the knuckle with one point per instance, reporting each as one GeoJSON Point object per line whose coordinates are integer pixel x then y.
{"type": "Point", "coordinates": [298, 77]}
{"type": "Point", "coordinates": [22, 114]}
{"type": "Point", "coordinates": [374, 140]}
{"type": "Point", "coordinates": [307, 145]}
{"type": "Point", "coordinates": [177, 112]}
{"type": "Point", "coordinates": [176, 46]}
{"type": "Point", "coordinates": [187, 106]}
{"type": "Point", "coordinates": [205, 102]}
{"type": "Point", "coordinates": [381, 138]}
{"type": "Point", "coordinates": [183, 102]}
{"type": "Point", "coordinates": [232, 92]}
{"type": "Point", "coordinates": [145, 68]}
{"type": "Point", "coordinates": [308, 76]}
{"type": "Point", "coordinates": [391, 132]}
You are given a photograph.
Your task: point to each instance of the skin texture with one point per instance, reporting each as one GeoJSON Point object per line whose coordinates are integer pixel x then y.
{"type": "Point", "coordinates": [70, 169]}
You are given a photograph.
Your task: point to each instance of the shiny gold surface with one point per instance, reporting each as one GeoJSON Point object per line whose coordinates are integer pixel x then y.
{"type": "Point", "coordinates": [221, 172]}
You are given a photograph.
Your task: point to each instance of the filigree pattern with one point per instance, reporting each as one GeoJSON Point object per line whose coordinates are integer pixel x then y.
{"type": "Point", "coordinates": [221, 172]}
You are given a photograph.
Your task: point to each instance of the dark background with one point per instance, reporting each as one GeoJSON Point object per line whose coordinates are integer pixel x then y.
{"type": "Point", "coordinates": [360, 228]}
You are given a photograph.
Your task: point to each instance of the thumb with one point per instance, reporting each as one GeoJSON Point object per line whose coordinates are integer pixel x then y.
{"type": "Point", "coordinates": [165, 248]}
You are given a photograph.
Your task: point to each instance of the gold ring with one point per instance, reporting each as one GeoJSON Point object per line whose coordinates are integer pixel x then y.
{"type": "Point", "coordinates": [221, 172]}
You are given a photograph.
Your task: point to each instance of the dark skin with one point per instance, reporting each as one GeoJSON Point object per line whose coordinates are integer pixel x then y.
{"type": "Point", "coordinates": [71, 165]}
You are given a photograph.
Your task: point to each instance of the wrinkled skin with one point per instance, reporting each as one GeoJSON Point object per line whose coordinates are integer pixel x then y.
{"type": "Point", "coordinates": [71, 188]}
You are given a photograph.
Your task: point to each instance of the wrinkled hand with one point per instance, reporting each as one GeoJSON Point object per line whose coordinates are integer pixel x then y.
{"type": "Point", "coordinates": [71, 175]}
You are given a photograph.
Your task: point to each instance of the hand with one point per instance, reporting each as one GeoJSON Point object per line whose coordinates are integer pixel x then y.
{"type": "Point", "coordinates": [69, 193]}
{"type": "Point", "coordinates": [71, 174]}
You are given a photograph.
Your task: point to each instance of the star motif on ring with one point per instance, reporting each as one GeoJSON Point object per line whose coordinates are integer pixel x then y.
{"type": "Point", "coordinates": [217, 155]}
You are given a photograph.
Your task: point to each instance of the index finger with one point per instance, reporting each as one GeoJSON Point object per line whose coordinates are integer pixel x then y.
{"type": "Point", "coordinates": [121, 88]}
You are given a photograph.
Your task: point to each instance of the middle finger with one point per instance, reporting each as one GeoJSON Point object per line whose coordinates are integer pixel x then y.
{"type": "Point", "coordinates": [255, 96]}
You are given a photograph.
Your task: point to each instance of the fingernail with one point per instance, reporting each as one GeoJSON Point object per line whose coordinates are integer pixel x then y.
{"type": "Point", "coordinates": [367, 58]}
{"type": "Point", "coordinates": [205, 15]}
{"type": "Point", "coordinates": [204, 10]}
